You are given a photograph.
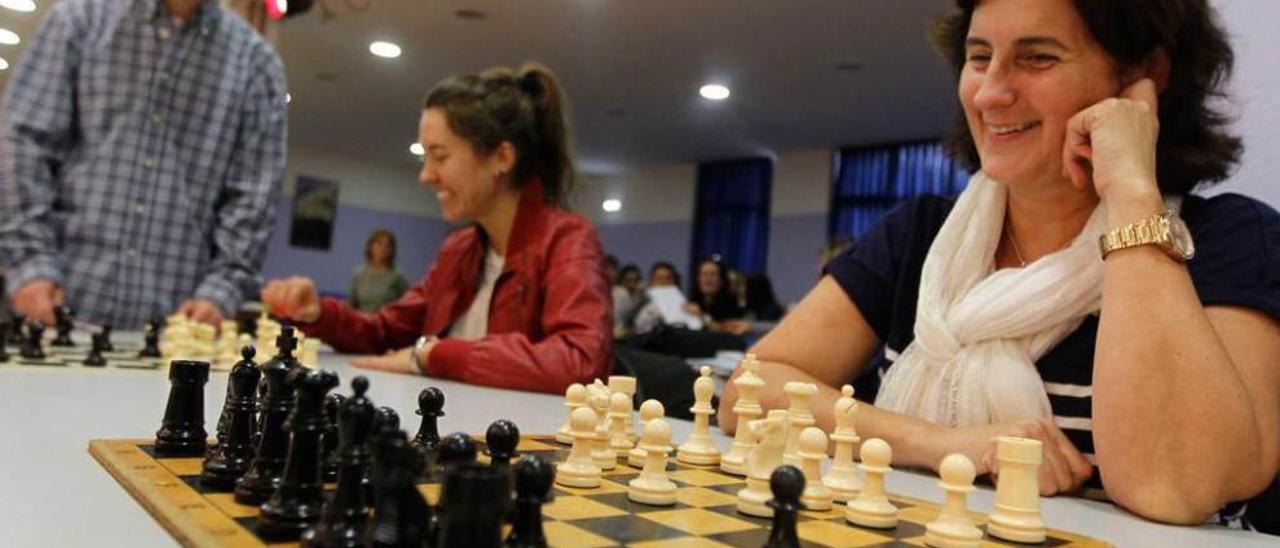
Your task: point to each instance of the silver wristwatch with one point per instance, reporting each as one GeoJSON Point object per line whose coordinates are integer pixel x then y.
{"type": "Point", "coordinates": [415, 357]}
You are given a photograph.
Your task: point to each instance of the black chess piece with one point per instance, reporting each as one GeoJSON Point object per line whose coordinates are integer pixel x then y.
{"type": "Point", "coordinates": [106, 339]}
{"type": "Point", "coordinates": [430, 408]}
{"type": "Point", "coordinates": [229, 460]}
{"type": "Point", "coordinates": [182, 432]}
{"type": "Point", "coordinates": [16, 321]}
{"type": "Point", "coordinates": [33, 343]}
{"type": "Point", "coordinates": [786, 483]}
{"type": "Point", "coordinates": [346, 514]}
{"type": "Point", "coordinates": [473, 501]}
{"type": "Point", "coordinates": [295, 507]}
{"type": "Point", "coordinates": [533, 478]}
{"type": "Point", "coordinates": [4, 340]}
{"type": "Point", "coordinates": [386, 418]}
{"type": "Point", "coordinates": [456, 449]}
{"type": "Point", "coordinates": [64, 318]}
{"type": "Point", "coordinates": [95, 359]}
{"type": "Point", "coordinates": [263, 477]}
{"type": "Point", "coordinates": [500, 442]}
{"type": "Point", "coordinates": [330, 458]}
{"type": "Point", "coordinates": [402, 517]}
{"type": "Point", "coordinates": [151, 339]}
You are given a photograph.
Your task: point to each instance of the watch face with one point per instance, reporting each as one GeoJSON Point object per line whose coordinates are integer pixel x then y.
{"type": "Point", "coordinates": [1180, 237]}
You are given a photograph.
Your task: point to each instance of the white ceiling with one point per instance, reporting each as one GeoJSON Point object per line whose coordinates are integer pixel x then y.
{"type": "Point", "coordinates": [632, 69]}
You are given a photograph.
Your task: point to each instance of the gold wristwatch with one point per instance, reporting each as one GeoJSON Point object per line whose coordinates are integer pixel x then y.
{"type": "Point", "coordinates": [1166, 231]}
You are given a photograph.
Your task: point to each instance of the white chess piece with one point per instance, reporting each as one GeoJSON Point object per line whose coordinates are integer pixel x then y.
{"type": "Point", "coordinates": [872, 507]}
{"type": "Point", "coordinates": [649, 410]}
{"type": "Point", "coordinates": [1016, 515]}
{"type": "Point", "coordinates": [653, 486]}
{"type": "Point", "coordinates": [953, 528]}
{"type": "Point", "coordinates": [580, 470]}
{"type": "Point", "coordinates": [748, 409]}
{"type": "Point", "coordinates": [574, 397]}
{"type": "Point", "coordinates": [698, 448]}
{"type": "Point", "coordinates": [598, 401]}
{"type": "Point", "coordinates": [619, 412]}
{"type": "Point", "coordinates": [770, 434]}
{"type": "Point", "coordinates": [842, 477]}
{"type": "Point", "coordinates": [813, 450]}
{"type": "Point", "coordinates": [626, 385]}
{"type": "Point", "coordinates": [799, 417]}
{"type": "Point", "coordinates": [310, 353]}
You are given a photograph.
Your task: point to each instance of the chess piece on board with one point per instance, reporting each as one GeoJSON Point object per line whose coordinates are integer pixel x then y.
{"type": "Point", "coordinates": [698, 448]}
{"type": "Point", "coordinates": [785, 484]}
{"type": "Point", "coordinates": [330, 459]}
{"type": "Point", "coordinates": [264, 475]}
{"type": "Point", "coordinates": [106, 338]}
{"type": "Point", "coordinates": [296, 505]}
{"type": "Point", "coordinates": [842, 477]}
{"type": "Point", "coordinates": [230, 458]}
{"type": "Point", "coordinates": [430, 408]}
{"type": "Point", "coordinates": [33, 344]}
{"type": "Point", "coordinates": [456, 449]}
{"type": "Point", "coordinates": [402, 516]}
{"type": "Point", "coordinates": [799, 417]}
{"type": "Point", "coordinates": [601, 452]}
{"type": "Point", "coordinates": [580, 470]}
{"type": "Point", "coordinates": [151, 340]}
{"type": "Point", "coordinates": [94, 358]}
{"type": "Point", "coordinates": [574, 397]}
{"type": "Point", "coordinates": [473, 501]}
{"type": "Point", "coordinates": [813, 450]}
{"type": "Point", "coordinates": [626, 385]}
{"type": "Point", "coordinates": [748, 409]}
{"type": "Point", "coordinates": [501, 439]}
{"type": "Point", "coordinates": [770, 434]}
{"type": "Point", "coordinates": [619, 417]}
{"type": "Point", "coordinates": [14, 333]}
{"type": "Point", "coordinates": [182, 432]}
{"type": "Point", "coordinates": [4, 340]}
{"type": "Point", "coordinates": [64, 323]}
{"type": "Point", "coordinates": [872, 507]}
{"type": "Point", "coordinates": [953, 528]}
{"type": "Point", "coordinates": [649, 410]}
{"type": "Point", "coordinates": [345, 516]}
{"type": "Point", "coordinates": [652, 486]}
{"type": "Point", "coordinates": [533, 479]}
{"type": "Point", "coordinates": [1016, 515]}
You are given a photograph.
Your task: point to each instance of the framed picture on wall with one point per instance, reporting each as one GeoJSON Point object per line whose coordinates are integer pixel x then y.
{"type": "Point", "coordinates": [315, 208]}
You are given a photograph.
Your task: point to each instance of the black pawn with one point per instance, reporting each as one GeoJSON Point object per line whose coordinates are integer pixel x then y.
{"type": "Point", "coordinates": [386, 419]}
{"type": "Point", "coordinates": [456, 449]}
{"type": "Point", "coordinates": [533, 477]}
{"type": "Point", "coordinates": [473, 501]}
{"type": "Point", "coordinates": [345, 516]}
{"type": "Point", "coordinates": [4, 339]}
{"type": "Point", "coordinates": [331, 459]}
{"type": "Point", "coordinates": [430, 408]}
{"type": "Point", "coordinates": [95, 359]}
{"type": "Point", "coordinates": [263, 477]}
{"type": "Point", "coordinates": [64, 323]}
{"type": "Point", "coordinates": [500, 442]}
{"type": "Point", "coordinates": [402, 517]}
{"type": "Point", "coordinates": [151, 338]}
{"type": "Point", "coordinates": [295, 507]}
{"type": "Point", "coordinates": [106, 339]}
{"type": "Point", "coordinates": [231, 457]}
{"type": "Point", "coordinates": [32, 345]}
{"type": "Point", "coordinates": [16, 321]}
{"type": "Point", "coordinates": [182, 432]}
{"type": "Point", "coordinates": [786, 483]}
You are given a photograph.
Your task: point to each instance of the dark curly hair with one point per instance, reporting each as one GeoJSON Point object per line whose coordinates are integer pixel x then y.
{"type": "Point", "coordinates": [1194, 145]}
{"type": "Point", "coordinates": [524, 107]}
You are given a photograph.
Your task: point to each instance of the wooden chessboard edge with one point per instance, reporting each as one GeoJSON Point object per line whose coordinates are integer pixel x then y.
{"type": "Point", "coordinates": [185, 527]}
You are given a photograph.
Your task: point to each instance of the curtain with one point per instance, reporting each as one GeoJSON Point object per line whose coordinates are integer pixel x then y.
{"type": "Point", "coordinates": [731, 218]}
{"type": "Point", "coordinates": [869, 181]}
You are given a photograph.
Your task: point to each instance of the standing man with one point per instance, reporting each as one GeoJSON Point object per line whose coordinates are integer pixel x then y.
{"type": "Point", "coordinates": [141, 152]}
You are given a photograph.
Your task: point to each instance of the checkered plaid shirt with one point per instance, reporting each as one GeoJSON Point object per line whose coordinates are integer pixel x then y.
{"type": "Point", "coordinates": [141, 158]}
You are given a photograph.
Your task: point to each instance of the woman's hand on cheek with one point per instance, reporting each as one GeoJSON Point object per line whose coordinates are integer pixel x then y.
{"type": "Point", "coordinates": [1112, 144]}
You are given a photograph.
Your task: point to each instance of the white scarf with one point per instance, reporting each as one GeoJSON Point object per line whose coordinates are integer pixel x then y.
{"type": "Point", "coordinates": [979, 333]}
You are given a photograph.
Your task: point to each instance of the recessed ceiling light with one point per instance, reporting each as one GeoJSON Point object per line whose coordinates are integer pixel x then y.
{"type": "Point", "coordinates": [8, 37]}
{"type": "Point", "coordinates": [3, 64]}
{"type": "Point", "coordinates": [384, 49]}
{"type": "Point", "coordinates": [288, 98]}
{"type": "Point", "coordinates": [19, 5]}
{"type": "Point", "coordinates": [471, 14]}
{"type": "Point", "coordinates": [417, 149]}
{"type": "Point", "coordinates": [714, 92]}
{"type": "Point", "coordinates": [612, 205]}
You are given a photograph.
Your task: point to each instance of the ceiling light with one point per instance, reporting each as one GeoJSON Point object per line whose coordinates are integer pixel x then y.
{"type": "Point", "coordinates": [715, 92]}
{"type": "Point", "coordinates": [19, 5]}
{"type": "Point", "coordinates": [279, 9]}
{"type": "Point", "coordinates": [612, 205]}
{"type": "Point", "coordinates": [3, 64]}
{"type": "Point", "coordinates": [384, 49]}
{"type": "Point", "coordinates": [8, 37]}
{"type": "Point", "coordinates": [417, 149]}
{"type": "Point", "coordinates": [288, 98]}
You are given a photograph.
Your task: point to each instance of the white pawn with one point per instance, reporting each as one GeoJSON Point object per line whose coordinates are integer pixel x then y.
{"type": "Point", "coordinates": [813, 450]}
{"type": "Point", "coordinates": [574, 397]}
{"type": "Point", "coordinates": [842, 477]}
{"type": "Point", "coordinates": [953, 528]}
{"type": "Point", "coordinates": [770, 434]}
{"type": "Point", "coordinates": [626, 385]}
{"type": "Point", "coordinates": [872, 507]}
{"type": "Point", "coordinates": [619, 412]}
{"type": "Point", "coordinates": [309, 353]}
{"type": "Point", "coordinates": [649, 410]}
{"type": "Point", "coordinates": [653, 486]}
{"type": "Point", "coordinates": [579, 470]}
{"type": "Point", "coordinates": [748, 409]}
{"type": "Point", "coordinates": [799, 417]}
{"type": "Point", "coordinates": [598, 401]}
{"type": "Point", "coordinates": [698, 449]}
{"type": "Point", "coordinates": [1016, 515]}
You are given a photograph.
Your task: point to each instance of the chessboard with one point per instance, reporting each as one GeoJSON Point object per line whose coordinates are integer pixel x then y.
{"type": "Point", "coordinates": [74, 356]}
{"type": "Point", "coordinates": [705, 513]}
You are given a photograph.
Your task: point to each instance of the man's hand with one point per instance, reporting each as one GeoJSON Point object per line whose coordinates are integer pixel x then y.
{"type": "Point", "coordinates": [201, 310]}
{"type": "Point", "coordinates": [37, 299]}
{"type": "Point", "coordinates": [294, 298]}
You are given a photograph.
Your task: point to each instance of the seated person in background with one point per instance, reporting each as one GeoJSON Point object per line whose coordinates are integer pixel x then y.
{"type": "Point", "coordinates": [1144, 370]}
{"type": "Point", "coordinates": [627, 296]}
{"type": "Point", "coordinates": [648, 317]}
{"type": "Point", "coordinates": [527, 309]}
{"type": "Point", "coordinates": [378, 282]}
{"type": "Point", "coordinates": [762, 305]}
{"type": "Point", "coordinates": [712, 298]}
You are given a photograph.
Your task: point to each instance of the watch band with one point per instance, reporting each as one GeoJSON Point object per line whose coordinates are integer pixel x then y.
{"type": "Point", "coordinates": [415, 355]}
{"type": "Point", "coordinates": [1164, 230]}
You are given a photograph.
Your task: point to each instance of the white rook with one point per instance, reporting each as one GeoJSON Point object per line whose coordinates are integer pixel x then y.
{"type": "Point", "coordinates": [1016, 515]}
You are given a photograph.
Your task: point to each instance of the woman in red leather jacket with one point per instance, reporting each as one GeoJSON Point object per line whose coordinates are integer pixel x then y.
{"type": "Point", "coordinates": [519, 298]}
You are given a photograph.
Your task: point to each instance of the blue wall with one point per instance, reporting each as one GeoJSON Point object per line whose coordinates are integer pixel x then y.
{"type": "Point", "coordinates": [794, 242]}
{"type": "Point", "coordinates": [645, 243]}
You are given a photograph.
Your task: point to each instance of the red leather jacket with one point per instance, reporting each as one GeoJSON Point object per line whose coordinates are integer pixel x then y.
{"type": "Point", "coordinates": [550, 321]}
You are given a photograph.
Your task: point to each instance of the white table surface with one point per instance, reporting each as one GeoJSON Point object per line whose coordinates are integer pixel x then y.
{"type": "Point", "coordinates": [53, 493]}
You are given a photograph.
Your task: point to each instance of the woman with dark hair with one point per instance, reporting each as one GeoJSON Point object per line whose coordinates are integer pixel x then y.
{"type": "Point", "coordinates": [377, 282]}
{"type": "Point", "coordinates": [1075, 292]}
{"type": "Point", "coordinates": [711, 295]}
{"type": "Point", "coordinates": [527, 309]}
